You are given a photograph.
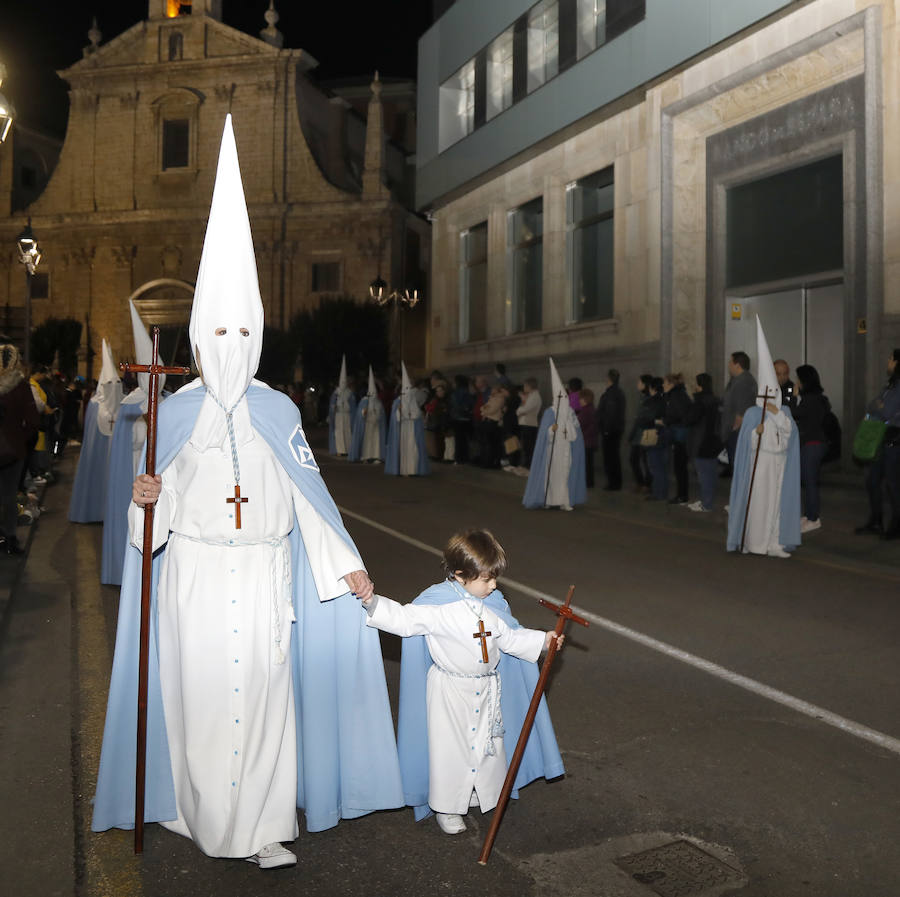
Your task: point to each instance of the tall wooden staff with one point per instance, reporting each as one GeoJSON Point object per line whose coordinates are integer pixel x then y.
{"type": "Point", "coordinates": [564, 614]}
{"type": "Point", "coordinates": [154, 369]}
{"type": "Point", "coordinates": [552, 446]}
{"type": "Point", "coordinates": [762, 423]}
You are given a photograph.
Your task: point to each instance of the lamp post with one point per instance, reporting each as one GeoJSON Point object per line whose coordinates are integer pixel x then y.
{"type": "Point", "coordinates": [30, 257]}
{"type": "Point", "coordinates": [382, 294]}
{"type": "Point", "coordinates": [7, 112]}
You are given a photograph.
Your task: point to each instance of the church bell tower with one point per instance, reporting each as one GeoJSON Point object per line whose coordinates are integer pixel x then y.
{"type": "Point", "coordinates": [173, 9]}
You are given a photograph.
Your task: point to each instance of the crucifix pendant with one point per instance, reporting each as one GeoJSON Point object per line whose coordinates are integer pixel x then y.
{"type": "Point", "coordinates": [237, 501]}
{"type": "Point", "coordinates": [483, 636]}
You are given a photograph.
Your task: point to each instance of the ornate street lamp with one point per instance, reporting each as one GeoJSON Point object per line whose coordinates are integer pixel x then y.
{"type": "Point", "coordinates": [7, 112]}
{"type": "Point", "coordinates": [30, 257]}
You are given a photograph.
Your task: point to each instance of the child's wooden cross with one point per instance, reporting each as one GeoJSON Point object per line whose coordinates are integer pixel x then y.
{"type": "Point", "coordinates": [483, 636]}
{"type": "Point", "coordinates": [237, 501]}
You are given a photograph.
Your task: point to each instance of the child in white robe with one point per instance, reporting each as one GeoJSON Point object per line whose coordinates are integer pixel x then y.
{"type": "Point", "coordinates": [467, 759]}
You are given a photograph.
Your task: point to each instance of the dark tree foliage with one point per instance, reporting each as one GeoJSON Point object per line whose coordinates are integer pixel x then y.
{"type": "Point", "coordinates": [61, 335]}
{"type": "Point", "coordinates": [340, 326]}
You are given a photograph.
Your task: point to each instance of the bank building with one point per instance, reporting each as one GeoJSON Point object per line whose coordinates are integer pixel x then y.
{"type": "Point", "coordinates": [628, 183]}
{"type": "Point", "coordinates": [122, 213]}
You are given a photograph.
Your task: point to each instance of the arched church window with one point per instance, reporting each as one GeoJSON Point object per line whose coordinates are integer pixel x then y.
{"type": "Point", "coordinates": [176, 45]}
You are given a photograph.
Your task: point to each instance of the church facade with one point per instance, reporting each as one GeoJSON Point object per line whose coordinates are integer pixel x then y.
{"type": "Point", "coordinates": [628, 184]}
{"type": "Point", "coordinates": [124, 213]}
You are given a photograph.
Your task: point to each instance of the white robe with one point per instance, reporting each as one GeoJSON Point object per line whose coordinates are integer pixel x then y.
{"type": "Point", "coordinates": [764, 515]}
{"type": "Point", "coordinates": [371, 447]}
{"type": "Point", "coordinates": [460, 694]}
{"type": "Point", "coordinates": [225, 613]}
{"type": "Point", "coordinates": [342, 422]}
{"type": "Point", "coordinates": [561, 462]}
{"type": "Point", "coordinates": [409, 449]}
{"type": "Point", "coordinates": [138, 438]}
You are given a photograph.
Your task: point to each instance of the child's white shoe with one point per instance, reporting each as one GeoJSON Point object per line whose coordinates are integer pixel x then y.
{"type": "Point", "coordinates": [273, 856]}
{"type": "Point", "coordinates": [451, 823]}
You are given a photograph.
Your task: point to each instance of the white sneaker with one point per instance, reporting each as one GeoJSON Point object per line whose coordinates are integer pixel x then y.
{"type": "Point", "coordinates": [451, 823]}
{"type": "Point", "coordinates": [726, 508]}
{"type": "Point", "coordinates": [778, 552]}
{"type": "Point", "coordinates": [808, 526]}
{"type": "Point", "coordinates": [566, 508]}
{"type": "Point", "coordinates": [697, 506]}
{"type": "Point", "coordinates": [273, 856]}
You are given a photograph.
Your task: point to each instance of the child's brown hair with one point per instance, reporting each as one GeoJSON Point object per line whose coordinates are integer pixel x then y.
{"type": "Point", "coordinates": [473, 554]}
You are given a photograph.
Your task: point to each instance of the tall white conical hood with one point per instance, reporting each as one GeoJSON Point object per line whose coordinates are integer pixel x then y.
{"type": "Point", "coordinates": [342, 378]}
{"type": "Point", "coordinates": [409, 407]}
{"type": "Point", "coordinates": [766, 380]}
{"type": "Point", "coordinates": [109, 391]}
{"type": "Point", "coordinates": [143, 354]}
{"type": "Point", "coordinates": [559, 400]}
{"type": "Point", "coordinates": [226, 297]}
{"type": "Point", "coordinates": [372, 391]}
{"type": "Point", "coordinates": [109, 373]}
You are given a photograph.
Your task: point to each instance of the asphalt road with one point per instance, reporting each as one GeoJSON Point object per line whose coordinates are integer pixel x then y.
{"type": "Point", "coordinates": [746, 706]}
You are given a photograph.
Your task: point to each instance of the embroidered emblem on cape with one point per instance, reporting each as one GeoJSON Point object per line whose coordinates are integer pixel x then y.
{"type": "Point", "coordinates": [300, 449]}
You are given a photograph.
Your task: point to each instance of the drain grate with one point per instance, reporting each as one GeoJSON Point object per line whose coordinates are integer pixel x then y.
{"type": "Point", "coordinates": [678, 869]}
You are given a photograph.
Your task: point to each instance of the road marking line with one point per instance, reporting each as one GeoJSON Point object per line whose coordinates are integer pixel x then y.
{"type": "Point", "coordinates": [813, 711]}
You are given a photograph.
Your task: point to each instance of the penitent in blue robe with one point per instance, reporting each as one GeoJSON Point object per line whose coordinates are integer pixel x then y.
{"type": "Point", "coordinates": [118, 495]}
{"type": "Point", "coordinates": [88, 500]}
{"type": "Point", "coordinates": [346, 751]}
{"type": "Point", "coordinates": [789, 525]}
{"type": "Point", "coordinates": [536, 486]}
{"type": "Point", "coordinates": [392, 448]}
{"type": "Point", "coordinates": [359, 431]}
{"type": "Point", "coordinates": [518, 679]}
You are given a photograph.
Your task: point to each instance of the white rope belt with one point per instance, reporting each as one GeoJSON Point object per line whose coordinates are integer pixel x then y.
{"type": "Point", "coordinates": [494, 693]}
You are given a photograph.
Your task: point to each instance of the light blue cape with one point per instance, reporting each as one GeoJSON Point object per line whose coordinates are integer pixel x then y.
{"type": "Point", "coordinates": [789, 534]}
{"type": "Point", "coordinates": [347, 754]}
{"type": "Point", "coordinates": [89, 488]}
{"type": "Point", "coordinates": [332, 445]}
{"type": "Point", "coordinates": [359, 431]}
{"type": "Point", "coordinates": [518, 678]}
{"type": "Point", "coordinates": [118, 495]}
{"type": "Point", "coordinates": [392, 450]}
{"type": "Point", "coordinates": [536, 487]}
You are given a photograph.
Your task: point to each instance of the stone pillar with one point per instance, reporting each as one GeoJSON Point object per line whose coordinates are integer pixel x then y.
{"type": "Point", "coordinates": [373, 169]}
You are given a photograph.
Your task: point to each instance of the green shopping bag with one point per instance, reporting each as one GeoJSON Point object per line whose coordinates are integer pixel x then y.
{"type": "Point", "coordinates": [868, 438]}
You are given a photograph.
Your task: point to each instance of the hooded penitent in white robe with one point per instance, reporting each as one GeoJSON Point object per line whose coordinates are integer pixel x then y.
{"type": "Point", "coordinates": [341, 410]}
{"type": "Point", "coordinates": [374, 424]}
{"type": "Point", "coordinates": [224, 598]}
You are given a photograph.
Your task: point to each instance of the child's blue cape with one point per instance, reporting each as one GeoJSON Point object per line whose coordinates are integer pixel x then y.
{"type": "Point", "coordinates": [518, 677]}
{"type": "Point", "coordinates": [789, 533]}
{"type": "Point", "coordinates": [118, 495]}
{"type": "Point", "coordinates": [359, 431]}
{"type": "Point", "coordinates": [346, 750]}
{"type": "Point", "coordinates": [332, 444]}
{"type": "Point", "coordinates": [536, 487]}
{"type": "Point", "coordinates": [89, 489]}
{"type": "Point", "coordinates": [392, 456]}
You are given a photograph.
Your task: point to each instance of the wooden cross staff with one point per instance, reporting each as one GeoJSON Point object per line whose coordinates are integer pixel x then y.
{"type": "Point", "coordinates": [564, 614]}
{"type": "Point", "coordinates": [765, 396]}
{"type": "Point", "coordinates": [154, 369]}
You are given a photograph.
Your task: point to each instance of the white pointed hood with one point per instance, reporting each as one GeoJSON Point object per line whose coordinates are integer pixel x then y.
{"type": "Point", "coordinates": [342, 377]}
{"type": "Point", "coordinates": [143, 354]}
{"type": "Point", "coordinates": [409, 407]}
{"type": "Point", "coordinates": [765, 375]}
{"type": "Point", "coordinates": [226, 300]}
{"type": "Point", "coordinates": [372, 391]}
{"type": "Point", "coordinates": [109, 391]}
{"type": "Point", "coordinates": [559, 399]}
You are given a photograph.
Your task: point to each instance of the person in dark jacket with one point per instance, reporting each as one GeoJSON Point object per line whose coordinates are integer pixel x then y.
{"type": "Point", "coordinates": [582, 400]}
{"type": "Point", "coordinates": [19, 420]}
{"type": "Point", "coordinates": [658, 453]}
{"type": "Point", "coordinates": [810, 407]}
{"type": "Point", "coordinates": [705, 442]}
{"type": "Point", "coordinates": [643, 420]}
{"type": "Point", "coordinates": [740, 394]}
{"type": "Point", "coordinates": [611, 424]}
{"type": "Point", "coordinates": [462, 400]}
{"type": "Point", "coordinates": [886, 466]}
{"type": "Point", "coordinates": [675, 421]}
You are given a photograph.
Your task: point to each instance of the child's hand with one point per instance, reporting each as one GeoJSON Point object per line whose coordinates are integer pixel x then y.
{"type": "Point", "coordinates": [549, 637]}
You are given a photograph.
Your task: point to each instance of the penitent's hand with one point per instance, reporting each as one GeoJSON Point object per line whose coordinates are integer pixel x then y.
{"type": "Point", "coordinates": [360, 585]}
{"type": "Point", "coordinates": [145, 489]}
{"type": "Point", "coordinates": [549, 638]}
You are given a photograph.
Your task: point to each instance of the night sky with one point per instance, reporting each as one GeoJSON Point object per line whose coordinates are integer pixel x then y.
{"type": "Point", "coordinates": [37, 38]}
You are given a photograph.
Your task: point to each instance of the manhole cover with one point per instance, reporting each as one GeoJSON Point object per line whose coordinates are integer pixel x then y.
{"type": "Point", "coordinates": [678, 869]}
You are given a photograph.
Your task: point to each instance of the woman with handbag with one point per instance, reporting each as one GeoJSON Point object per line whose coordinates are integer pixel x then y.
{"type": "Point", "coordinates": [885, 467]}
{"type": "Point", "coordinates": [642, 421]}
{"type": "Point", "coordinates": [706, 443]}
{"type": "Point", "coordinates": [19, 421]}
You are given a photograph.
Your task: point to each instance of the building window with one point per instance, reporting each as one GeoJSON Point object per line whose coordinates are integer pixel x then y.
{"type": "Point", "coordinates": [591, 19]}
{"type": "Point", "coordinates": [176, 143]}
{"type": "Point", "coordinates": [457, 105]}
{"type": "Point", "coordinates": [326, 277]}
{"type": "Point", "coordinates": [622, 15]}
{"type": "Point", "coordinates": [473, 283]}
{"type": "Point", "coordinates": [589, 246]}
{"type": "Point", "coordinates": [176, 46]}
{"type": "Point", "coordinates": [500, 74]}
{"type": "Point", "coordinates": [525, 236]}
{"type": "Point", "coordinates": [543, 43]}
{"type": "Point", "coordinates": [40, 285]}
